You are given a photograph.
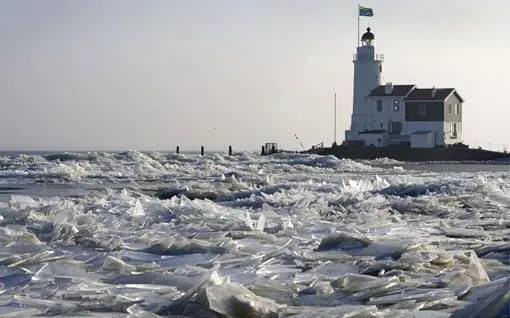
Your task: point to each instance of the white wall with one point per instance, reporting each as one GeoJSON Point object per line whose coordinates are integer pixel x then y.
{"type": "Point", "coordinates": [435, 126]}
{"type": "Point", "coordinates": [367, 76]}
{"type": "Point", "coordinates": [423, 140]}
{"type": "Point", "coordinates": [448, 133]}
{"type": "Point", "coordinates": [378, 140]}
{"type": "Point", "coordinates": [387, 114]}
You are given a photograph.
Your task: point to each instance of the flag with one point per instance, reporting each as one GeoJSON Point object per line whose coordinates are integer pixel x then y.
{"type": "Point", "coordinates": [365, 12]}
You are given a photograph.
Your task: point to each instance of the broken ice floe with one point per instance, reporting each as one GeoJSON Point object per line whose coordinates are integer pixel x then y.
{"type": "Point", "coordinates": [273, 236]}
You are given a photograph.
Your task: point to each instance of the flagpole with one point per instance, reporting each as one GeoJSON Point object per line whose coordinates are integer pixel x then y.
{"type": "Point", "coordinates": [357, 40]}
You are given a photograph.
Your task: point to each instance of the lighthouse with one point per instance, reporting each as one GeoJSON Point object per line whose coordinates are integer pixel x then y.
{"type": "Point", "coordinates": [367, 76]}
{"type": "Point", "coordinates": [402, 122]}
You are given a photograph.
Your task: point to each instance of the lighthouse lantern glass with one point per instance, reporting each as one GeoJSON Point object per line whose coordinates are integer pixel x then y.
{"type": "Point", "coordinates": [367, 42]}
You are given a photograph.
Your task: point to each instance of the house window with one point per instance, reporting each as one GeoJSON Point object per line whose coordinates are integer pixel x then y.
{"type": "Point", "coordinates": [396, 106]}
{"type": "Point", "coordinates": [379, 105]}
{"type": "Point", "coordinates": [453, 130]}
{"type": "Point", "coordinates": [380, 68]}
{"type": "Point", "coordinates": [457, 108]}
{"type": "Point", "coordinates": [449, 108]}
{"type": "Point", "coordinates": [421, 109]}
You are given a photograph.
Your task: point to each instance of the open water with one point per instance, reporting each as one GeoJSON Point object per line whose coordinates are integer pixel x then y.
{"type": "Point", "coordinates": [156, 234]}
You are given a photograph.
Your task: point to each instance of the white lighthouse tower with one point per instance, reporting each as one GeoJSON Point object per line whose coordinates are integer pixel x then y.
{"type": "Point", "coordinates": [367, 76]}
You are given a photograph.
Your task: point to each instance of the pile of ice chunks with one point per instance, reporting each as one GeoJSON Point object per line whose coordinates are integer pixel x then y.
{"type": "Point", "coordinates": [304, 243]}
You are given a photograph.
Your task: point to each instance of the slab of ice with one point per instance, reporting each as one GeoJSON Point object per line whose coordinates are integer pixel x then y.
{"type": "Point", "coordinates": [352, 281]}
{"type": "Point", "coordinates": [344, 241]}
{"type": "Point", "coordinates": [342, 311]}
{"type": "Point", "coordinates": [181, 260]}
{"type": "Point", "coordinates": [23, 202]}
{"type": "Point", "coordinates": [52, 271]}
{"type": "Point", "coordinates": [491, 300]}
{"type": "Point", "coordinates": [136, 311]}
{"type": "Point", "coordinates": [476, 270]}
{"type": "Point", "coordinates": [236, 301]}
{"type": "Point", "coordinates": [137, 211]}
{"type": "Point", "coordinates": [326, 271]}
{"type": "Point", "coordinates": [499, 248]}
{"type": "Point", "coordinates": [180, 246]}
{"type": "Point", "coordinates": [420, 314]}
{"type": "Point", "coordinates": [13, 280]}
{"type": "Point", "coordinates": [114, 264]}
{"type": "Point", "coordinates": [180, 305]}
{"type": "Point", "coordinates": [183, 283]}
{"type": "Point", "coordinates": [464, 233]}
{"type": "Point", "coordinates": [17, 311]}
{"type": "Point", "coordinates": [418, 296]}
{"type": "Point", "coordinates": [261, 223]}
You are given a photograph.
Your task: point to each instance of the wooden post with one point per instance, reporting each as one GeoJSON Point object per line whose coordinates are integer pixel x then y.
{"type": "Point", "coordinates": [202, 150]}
{"type": "Point", "coordinates": [262, 153]}
{"type": "Point", "coordinates": [230, 150]}
{"type": "Point", "coordinates": [177, 149]}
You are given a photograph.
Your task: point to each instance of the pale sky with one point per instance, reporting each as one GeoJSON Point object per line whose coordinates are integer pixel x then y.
{"type": "Point", "coordinates": [150, 75]}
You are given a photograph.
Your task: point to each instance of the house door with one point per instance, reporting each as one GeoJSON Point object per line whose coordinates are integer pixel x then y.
{"type": "Point", "coordinates": [395, 127]}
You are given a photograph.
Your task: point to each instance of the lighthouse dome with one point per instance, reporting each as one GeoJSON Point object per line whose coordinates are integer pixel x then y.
{"type": "Point", "coordinates": [367, 35]}
{"type": "Point", "coordinates": [367, 39]}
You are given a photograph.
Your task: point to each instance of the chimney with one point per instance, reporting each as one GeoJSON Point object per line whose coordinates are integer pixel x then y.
{"type": "Point", "coordinates": [388, 88]}
{"type": "Point", "coordinates": [434, 91]}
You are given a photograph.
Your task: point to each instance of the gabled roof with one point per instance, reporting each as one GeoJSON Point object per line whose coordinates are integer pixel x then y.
{"type": "Point", "coordinates": [398, 90]}
{"type": "Point", "coordinates": [415, 94]}
{"type": "Point", "coordinates": [426, 94]}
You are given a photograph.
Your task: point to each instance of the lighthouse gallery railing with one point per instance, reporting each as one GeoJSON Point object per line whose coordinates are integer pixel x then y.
{"type": "Point", "coordinates": [368, 57]}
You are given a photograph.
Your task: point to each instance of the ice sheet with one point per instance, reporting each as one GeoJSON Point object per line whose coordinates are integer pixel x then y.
{"type": "Point", "coordinates": [148, 234]}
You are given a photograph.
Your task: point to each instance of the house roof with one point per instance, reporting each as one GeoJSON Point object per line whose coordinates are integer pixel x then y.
{"type": "Point", "coordinates": [398, 90]}
{"type": "Point", "coordinates": [412, 93]}
{"type": "Point", "coordinates": [375, 131]}
{"type": "Point", "coordinates": [426, 94]}
{"type": "Point", "coordinates": [421, 132]}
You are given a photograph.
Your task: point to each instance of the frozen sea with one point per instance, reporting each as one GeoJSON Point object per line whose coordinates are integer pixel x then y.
{"type": "Point", "coordinates": [132, 234]}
